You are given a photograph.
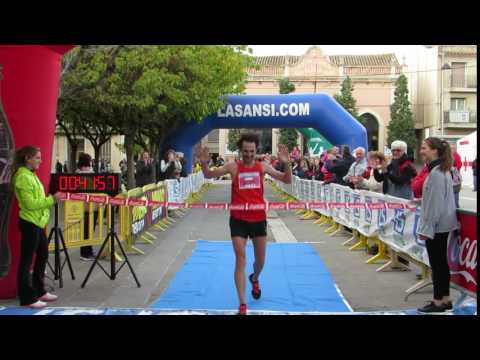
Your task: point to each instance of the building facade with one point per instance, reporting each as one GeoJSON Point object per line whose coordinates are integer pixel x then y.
{"type": "Point", "coordinates": [445, 91]}
{"type": "Point", "coordinates": [110, 152]}
{"type": "Point", "coordinates": [373, 77]}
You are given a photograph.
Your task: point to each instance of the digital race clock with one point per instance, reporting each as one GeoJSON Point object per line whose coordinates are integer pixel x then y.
{"type": "Point", "coordinates": [106, 183]}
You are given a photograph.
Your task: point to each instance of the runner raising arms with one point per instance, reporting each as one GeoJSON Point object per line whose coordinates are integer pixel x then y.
{"type": "Point", "coordinates": [247, 187]}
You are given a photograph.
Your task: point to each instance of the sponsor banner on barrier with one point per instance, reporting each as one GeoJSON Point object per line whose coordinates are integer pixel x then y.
{"type": "Point", "coordinates": [398, 230]}
{"type": "Point", "coordinates": [139, 221]}
{"type": "Point", "coordinates": [117, 201]}
{"type": "Point", "coordinates": [368, 221]}
{"type": "Point", "coordinates": [344, 213]}
{"type": "Point", "coordinates": [156, 214]}
{"type": "Point", "coordinates": [237, 207]}
{"type": "Point", "coordinates": [317, 205]}
{"type": "Point", "coordinates": [217, 206]}
{"type": "Point", "coordinates": [136, 202]}
{"type": "Point", "coordinates": [327, 192]}
{"type": "Point", "coordinates": [194, 206]}
{"type": "Point", "coordinates": [98, 199]}
{"type": "Point", "coordinates": [357, 209]}
{"type": "Point", "coordinates": [275, 205]}
{"type": "Point", "coordinates": [296, 205]}
{"type": "Point", "coordinates": [80, 197]}
{"type": "Point", "coordinates": [462, 253]}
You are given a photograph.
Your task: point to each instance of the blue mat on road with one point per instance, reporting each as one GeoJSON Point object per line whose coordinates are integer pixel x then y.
{"type": "Point", "coordinates": [294, 279]}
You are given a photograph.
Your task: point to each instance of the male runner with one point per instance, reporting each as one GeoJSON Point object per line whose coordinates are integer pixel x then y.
{"type": "Point", "coordinates": [247, 187]}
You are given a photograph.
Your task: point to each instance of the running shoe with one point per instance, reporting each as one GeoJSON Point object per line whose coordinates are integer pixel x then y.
{"type": "Point", "coordinates": [256, 292]}
{"type": "Point", "coordinates": [242, 310]}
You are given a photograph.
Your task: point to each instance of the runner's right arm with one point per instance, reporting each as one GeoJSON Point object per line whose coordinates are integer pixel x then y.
{"type": "Point", "coordinates": [204, 157]}
{"type": "Point", "coordinates": [219, 172]}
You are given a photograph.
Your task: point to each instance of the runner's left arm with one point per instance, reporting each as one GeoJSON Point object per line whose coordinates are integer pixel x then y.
{"type": "Point", "coordinates": [284, 156]}
{"type": "Point", "coordinates": [285, 177]}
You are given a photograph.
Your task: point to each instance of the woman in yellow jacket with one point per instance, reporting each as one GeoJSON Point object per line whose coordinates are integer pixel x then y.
{"type": "Point", "coordinates": [34, 216]}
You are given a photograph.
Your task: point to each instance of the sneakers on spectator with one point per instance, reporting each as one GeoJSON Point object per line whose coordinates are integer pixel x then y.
{"type": "Point", "coordinates": [242, 309]}
{"type": "Point", "coordinates": [48, 297]}
{"type": "Point", "coordinates": [449, 306]}
{"type": "Point", "coordinates": [36, 305]}
{"type": "Point", "coordinates": [431, 308]}
{"type": "Point", "coordinates": [90, 257]}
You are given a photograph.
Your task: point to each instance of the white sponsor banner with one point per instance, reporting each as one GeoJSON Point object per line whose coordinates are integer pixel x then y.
{"type": "Point", "coordinates": [369, 218]}
{"type": "Point", "coordinates": [399, 231]}
{"type": "Point", "coordinates": [344, 212]}
{"type": "Point", "coordinates": [178, 191]}
{"type": "Point", "coordinates": [320, 196]}
{"type": "Point", "coordinates": [356, 212]}
{"type": "Point", "coordinates": [328, 196]}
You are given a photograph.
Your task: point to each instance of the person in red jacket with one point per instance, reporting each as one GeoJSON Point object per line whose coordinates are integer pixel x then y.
{"type": "Point", "coordinates": [327, 175]}
{"type": "Point", "coordinates": [457, 160]}
{"type": "Point", "coordinates": [457, 164]}
{"type": "Point", "coordinates": [417, 182]}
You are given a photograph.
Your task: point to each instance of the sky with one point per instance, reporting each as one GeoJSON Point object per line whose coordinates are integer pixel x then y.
{"type": "Point", "coordinates": [408, 51]}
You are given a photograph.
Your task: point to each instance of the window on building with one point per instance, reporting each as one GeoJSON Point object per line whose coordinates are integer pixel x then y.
{"type": "Point", "coordinates": [214, 136]}
{"type": "Point", "coordinates": [458, 74]}
{"type": "Point", "coordinates": [106, 152]}
{"type": "Point", "coordinates": [458, 104]}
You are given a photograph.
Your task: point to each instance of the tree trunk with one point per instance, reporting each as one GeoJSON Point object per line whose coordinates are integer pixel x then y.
{"type": "Point", "coordinates": [130, 165]}
{"type": "Point", "coordinates": [153, 148]}
{"type": "Point", "coordinates": [72, 166]}
{"type": "Point", "coordinates": [96, 154]}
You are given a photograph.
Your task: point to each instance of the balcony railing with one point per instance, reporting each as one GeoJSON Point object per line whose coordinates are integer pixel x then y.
{"type": "Point", "coordinates": [469, 80]}
{"type": "Point", "coordinates": [459, 117]}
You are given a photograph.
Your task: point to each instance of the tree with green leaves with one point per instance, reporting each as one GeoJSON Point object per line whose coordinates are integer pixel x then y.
{"type": "Point", "coordinates": [346, 99]}
{"type": "Point", "coordinates": [285, 86]}
{"type": "Point", "coordinates": [401, 126]}
{"type": "Point", "coordinates": [233, 137]}
{"type": "Point", "coordinates": [146, 92]}
{"type": "Point", "coordinates": [288, 136]}
{"type": "Point", "coordinates": [79, 114]}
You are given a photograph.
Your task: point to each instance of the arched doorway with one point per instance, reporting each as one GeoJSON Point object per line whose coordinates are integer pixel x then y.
{"type": "Point", "coordinates": [371, 124]}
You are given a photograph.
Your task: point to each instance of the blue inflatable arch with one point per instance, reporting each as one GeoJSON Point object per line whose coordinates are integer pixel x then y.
{"type": "Point", "coordinates": [319, 111]}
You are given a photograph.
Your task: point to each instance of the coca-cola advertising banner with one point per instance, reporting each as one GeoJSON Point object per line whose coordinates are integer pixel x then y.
{"type": "Point", "coordinates": [462, 253]}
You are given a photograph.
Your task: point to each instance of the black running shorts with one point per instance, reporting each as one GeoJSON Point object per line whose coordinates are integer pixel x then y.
{"type": "Point", "coordinates": [247, 229]}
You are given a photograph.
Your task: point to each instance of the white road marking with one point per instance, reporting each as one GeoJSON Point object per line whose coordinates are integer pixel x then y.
{"type": "Point", "coordinates": [280, 231]}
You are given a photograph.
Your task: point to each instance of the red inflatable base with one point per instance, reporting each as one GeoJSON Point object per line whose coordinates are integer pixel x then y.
{"type": "Point", "coordinates": [29, 93]}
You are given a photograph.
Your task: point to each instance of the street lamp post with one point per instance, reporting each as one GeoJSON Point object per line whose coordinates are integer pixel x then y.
{"type": "Point", "coordinates": [445, 67]}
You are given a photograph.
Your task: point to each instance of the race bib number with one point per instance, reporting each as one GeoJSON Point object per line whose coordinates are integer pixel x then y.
{"type": "Point", "coordinates": [249, 180]}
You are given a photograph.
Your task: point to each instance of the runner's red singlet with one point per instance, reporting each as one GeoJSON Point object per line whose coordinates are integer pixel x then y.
{"type": "Point", "coordinates": [247, 187]}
